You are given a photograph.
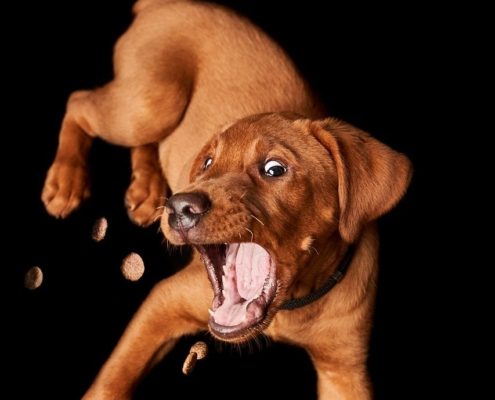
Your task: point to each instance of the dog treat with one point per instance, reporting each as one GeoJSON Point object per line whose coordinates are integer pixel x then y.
{"type": "Point", "coordinates": [99, 229]}
{"type": "Point", "coordinates": [198, 351]}
{"type": "Point", "coordinates": [132, 267]}
{"type": "Point", "coordinates": [33, 278]}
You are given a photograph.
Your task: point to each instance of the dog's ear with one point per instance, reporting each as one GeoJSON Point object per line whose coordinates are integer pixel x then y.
{"type": "Point", "coordinates": [372, 177]}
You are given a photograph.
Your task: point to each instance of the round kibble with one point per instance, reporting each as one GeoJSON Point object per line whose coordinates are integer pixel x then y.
{"type": "Point", "coordinates": [99, 229]}
{"type": "Point", "coordinates": [132, 267]}
{"type": "Point", "coordinates": [33, 278]}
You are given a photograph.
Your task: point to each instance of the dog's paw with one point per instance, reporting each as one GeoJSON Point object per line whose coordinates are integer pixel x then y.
{"type": "Point", "coordinates": [145, 197]}
{"type": "Point", "coordinates": [66, 186]}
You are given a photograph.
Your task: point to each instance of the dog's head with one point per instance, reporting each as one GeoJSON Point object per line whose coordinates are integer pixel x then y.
{"type": "Point", "coordinates": [264, 195]}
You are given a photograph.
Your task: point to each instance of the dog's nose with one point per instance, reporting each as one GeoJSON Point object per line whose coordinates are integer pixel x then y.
{"type": "Point", "coordinates": [185, 209]}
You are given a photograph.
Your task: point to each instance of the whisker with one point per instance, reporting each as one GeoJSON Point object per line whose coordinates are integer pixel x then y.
{"type": "Point", "coordinates": [159, 229]}
{"type": "Point", "coordinates": [157, 218]}
{"type": "Point", "coordinates": [267, 342]}
{"type": "Point", "coordinates": [251, 232]}
{"type": "Point", "coordinates": [314, 249]}
{"type": "Point", "coordinates": [257, 219]}
{"type": "Point", "coordinates": [167, 244]}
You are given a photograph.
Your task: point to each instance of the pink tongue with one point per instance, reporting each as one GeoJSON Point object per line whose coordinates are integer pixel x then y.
{"type": "Point", "coordinates": [245, 272]}
{"type": "Point", "coordinates": [252, 265]}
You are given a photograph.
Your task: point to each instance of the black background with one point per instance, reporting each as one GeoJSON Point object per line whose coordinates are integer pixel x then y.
{"type": "Point", "coordinates": [375, 68]}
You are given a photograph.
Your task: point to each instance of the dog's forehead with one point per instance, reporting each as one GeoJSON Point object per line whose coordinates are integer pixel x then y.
{"type": "Point", "coordinates": [261, 133]}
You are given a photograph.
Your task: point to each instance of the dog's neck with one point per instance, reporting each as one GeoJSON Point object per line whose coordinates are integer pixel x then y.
{"type": "Point", "coordinates": [326, 265]}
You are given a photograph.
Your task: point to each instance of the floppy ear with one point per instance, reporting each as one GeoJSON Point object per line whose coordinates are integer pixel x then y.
{"type": "Point", "coordinates": [372, 177]}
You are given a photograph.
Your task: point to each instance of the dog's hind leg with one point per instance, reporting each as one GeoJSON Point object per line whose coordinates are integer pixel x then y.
{"type": "Point", "coordinates": [123, 113]}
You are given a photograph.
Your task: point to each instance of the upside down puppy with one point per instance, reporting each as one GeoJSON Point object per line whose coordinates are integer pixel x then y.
{"type": "Point", "coordinates": [278, 201]}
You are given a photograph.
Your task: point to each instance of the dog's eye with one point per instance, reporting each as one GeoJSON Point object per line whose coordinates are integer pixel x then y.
{"type": "Point", "coordinates": [207, 163]}
{"type": "Point", "coordinates": [274, 168]}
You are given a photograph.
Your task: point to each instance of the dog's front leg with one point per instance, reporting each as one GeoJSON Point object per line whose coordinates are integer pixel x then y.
{"type": "Point", "coordinates": [146, 194]}
{"type": "Point", "coordinates": [175, 307]}
{"type": "Point", "coordinates": [338, 379]}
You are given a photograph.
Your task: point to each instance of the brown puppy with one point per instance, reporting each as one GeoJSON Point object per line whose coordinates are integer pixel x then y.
{"type": "Point", "coordinates": [272, 203]}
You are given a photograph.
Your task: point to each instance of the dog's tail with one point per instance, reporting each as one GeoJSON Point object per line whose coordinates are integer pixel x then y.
{"type": "Point", "coordinates": [140, 5]}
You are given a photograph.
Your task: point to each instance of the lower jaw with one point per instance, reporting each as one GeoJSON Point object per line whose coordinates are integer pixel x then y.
{"type": "Point", "coordinates": [237, 333]}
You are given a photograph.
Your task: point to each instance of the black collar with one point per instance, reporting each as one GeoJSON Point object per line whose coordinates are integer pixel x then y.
{"type": "Point", "coordinates": [335, 278]}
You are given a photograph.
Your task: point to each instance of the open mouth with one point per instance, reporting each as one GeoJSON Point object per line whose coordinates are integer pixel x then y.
{"type": "Point", "coordinates": [244, 284]}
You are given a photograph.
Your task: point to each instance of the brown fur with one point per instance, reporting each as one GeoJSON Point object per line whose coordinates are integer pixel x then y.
{"type": "Point", "coordinates": [184, 72]}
